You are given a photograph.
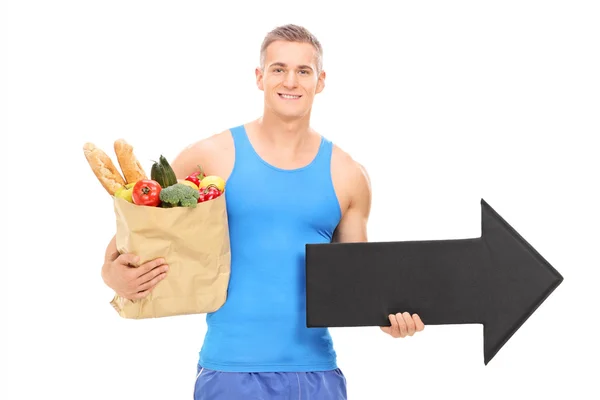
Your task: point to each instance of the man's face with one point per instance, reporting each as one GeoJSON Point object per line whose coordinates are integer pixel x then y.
{"type": "Point", "coordinates": [290, 79]}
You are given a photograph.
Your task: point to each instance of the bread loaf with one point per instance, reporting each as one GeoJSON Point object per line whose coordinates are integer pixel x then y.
{"type": "Point", "coordinates": [131, 167]}
{"type": "Point", "coordinates": [103, 167]}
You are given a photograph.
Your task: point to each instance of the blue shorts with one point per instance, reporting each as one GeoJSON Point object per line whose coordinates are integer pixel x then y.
{"type": "Point", "coordinates": [318, 385]}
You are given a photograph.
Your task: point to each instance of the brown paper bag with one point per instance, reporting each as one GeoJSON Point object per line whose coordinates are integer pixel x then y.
{"type": "Point", "coordinates": [195, 244]}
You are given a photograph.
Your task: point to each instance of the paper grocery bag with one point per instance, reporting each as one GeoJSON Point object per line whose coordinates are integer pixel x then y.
{"type": "Point", "coordinates": [195, 244]}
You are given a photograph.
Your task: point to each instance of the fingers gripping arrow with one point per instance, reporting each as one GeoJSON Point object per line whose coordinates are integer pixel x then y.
{"type": "Point", "coordinates": [497, 280]}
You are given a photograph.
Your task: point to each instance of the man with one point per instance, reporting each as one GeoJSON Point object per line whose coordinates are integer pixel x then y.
{"type": "Point", "coordinates": [287, 185]}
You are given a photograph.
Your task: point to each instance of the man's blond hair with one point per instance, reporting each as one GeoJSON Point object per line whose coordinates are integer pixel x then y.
{"type": "Point", "coordinates": [292, 33]}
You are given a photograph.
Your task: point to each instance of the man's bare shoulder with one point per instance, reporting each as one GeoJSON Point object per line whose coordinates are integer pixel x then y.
{"type": "Point", "coordinates": [215, 142]}
{"type": "Point", "coordinates": [353, 187]}
{"type": "Point", "coordinates": [206, 152]}
{"type": "Point", "coordinates": [346, 167]}
{"type": "Point", "coordinates": [351, 182]}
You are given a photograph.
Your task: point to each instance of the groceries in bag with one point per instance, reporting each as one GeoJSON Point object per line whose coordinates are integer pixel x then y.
{"type": "Point", "coordinates": [176, 219]}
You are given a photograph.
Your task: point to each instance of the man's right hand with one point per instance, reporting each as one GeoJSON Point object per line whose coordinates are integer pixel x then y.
{"type": "Point", "coordinates": [129, 281]}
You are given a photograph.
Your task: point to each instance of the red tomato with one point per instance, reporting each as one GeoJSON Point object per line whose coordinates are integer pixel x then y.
{"type": "Point", "coordinates": [146, 193]}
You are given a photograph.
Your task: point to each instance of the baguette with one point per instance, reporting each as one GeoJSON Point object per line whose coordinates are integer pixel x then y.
{"type": "Point", "coordinates": [131, 167]}
{"type": "Point", "coordinates": [104, 169]}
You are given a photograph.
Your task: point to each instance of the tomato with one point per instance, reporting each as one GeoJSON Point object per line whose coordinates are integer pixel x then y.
{"type": "Point", "coordinates": [146, 193]}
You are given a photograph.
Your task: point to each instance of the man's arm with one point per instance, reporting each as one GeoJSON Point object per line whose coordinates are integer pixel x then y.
{"type": "Point", "coordinates": [110, 255]}
{"type": "Point", "coordinates": [213, 153]}
{"type": "Point", "coordinates": [188, 159]}
{"type": "Point", "coordinates": [353, 226]}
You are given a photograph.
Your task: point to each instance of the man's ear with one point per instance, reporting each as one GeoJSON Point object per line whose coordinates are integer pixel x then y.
{"type": "Point", "coordinates": [259, 78]}
{"type": "Point", "coordinates": [321, 82]}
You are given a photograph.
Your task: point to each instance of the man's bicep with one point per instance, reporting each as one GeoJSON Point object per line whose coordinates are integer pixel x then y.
{"type": "Point", "coordinates": [353, 226]}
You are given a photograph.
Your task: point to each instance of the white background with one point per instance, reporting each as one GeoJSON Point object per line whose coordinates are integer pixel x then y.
{"type": "Point", "coordinates": [444, 102]}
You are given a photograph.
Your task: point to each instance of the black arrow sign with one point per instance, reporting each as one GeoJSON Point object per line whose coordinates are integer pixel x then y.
{"type": "Point", "coordinates": [497, 280]}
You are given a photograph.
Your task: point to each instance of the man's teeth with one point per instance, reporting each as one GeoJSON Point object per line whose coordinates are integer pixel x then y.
{"type": "Point", "coordinates": [287, 96]}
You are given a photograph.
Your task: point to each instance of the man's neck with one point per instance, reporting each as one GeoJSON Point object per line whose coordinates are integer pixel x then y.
{"type": "Point", "coordinates": [285, 134]}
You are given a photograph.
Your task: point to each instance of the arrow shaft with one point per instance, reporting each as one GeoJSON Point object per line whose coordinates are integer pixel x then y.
{"type": "Point", "coordinates": [439, 280]}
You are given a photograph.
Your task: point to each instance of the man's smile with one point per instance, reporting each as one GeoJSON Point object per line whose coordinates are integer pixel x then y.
{"type": "Point", "coordinates": [289, 96]}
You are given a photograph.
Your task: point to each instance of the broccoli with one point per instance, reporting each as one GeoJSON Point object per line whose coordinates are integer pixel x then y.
{"type": "Point", "coordinates": [179, 195]}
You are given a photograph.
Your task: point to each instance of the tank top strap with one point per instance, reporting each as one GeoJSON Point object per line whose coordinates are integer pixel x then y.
{"type": "Point", "coordinates": [240, 139]}
{"type": "Point", "coordinates": [323, 158]}
{"type": "Point", "coordinates": [244, 152]}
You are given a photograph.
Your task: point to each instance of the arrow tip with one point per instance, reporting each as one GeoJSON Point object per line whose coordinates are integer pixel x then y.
{"type": "Point", "coordinates": [519, 278]}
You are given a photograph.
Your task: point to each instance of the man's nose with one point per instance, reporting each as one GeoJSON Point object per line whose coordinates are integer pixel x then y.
{"type": "Point", "coordinates": [290, 80]}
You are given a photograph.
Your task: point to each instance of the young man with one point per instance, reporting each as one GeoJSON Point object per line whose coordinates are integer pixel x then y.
{"type": "Point", "coordinates": [287, 185]}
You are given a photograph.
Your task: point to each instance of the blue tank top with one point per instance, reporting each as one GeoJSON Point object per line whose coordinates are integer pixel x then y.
{"type": "Point", "coordinates": [273, 213]}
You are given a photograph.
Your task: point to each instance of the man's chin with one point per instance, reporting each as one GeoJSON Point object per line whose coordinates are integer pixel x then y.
{"type": "Point", "coordinates": [290, 115]}
{"type": "Point", "coordinates": [287, 113]}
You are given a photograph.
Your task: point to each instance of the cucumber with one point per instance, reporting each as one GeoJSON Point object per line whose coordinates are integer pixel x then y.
{"type": "Point", "coordinates": [168, 173]}
{"type": "Point", "coordinates": [162, 173]}
{"type": "Point", "coordinates": [157, 173]}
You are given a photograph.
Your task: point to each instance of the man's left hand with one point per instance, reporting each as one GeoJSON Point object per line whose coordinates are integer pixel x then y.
{"type": "Point", "coordinates": [403, 324]}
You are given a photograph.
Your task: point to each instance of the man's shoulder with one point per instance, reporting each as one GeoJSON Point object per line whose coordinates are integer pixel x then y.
{"type": "Point", "coordinates": [208, 151]}
{"type": "Point", "coordinates": [350, 178]}
{"type": "Point", "coordinates": [214, 142]}
{"type": "Point", "coordinates": [343, 163]}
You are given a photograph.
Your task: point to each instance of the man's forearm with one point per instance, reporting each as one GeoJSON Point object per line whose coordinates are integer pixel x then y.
{"type": "Point", "coordinates": [110, 255]}
{"type": "Point", "coordinates": [111, 250]}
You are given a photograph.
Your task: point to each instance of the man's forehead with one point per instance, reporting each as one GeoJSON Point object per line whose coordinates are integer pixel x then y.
{"type": "Point", "coordinates": [291, 54]}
